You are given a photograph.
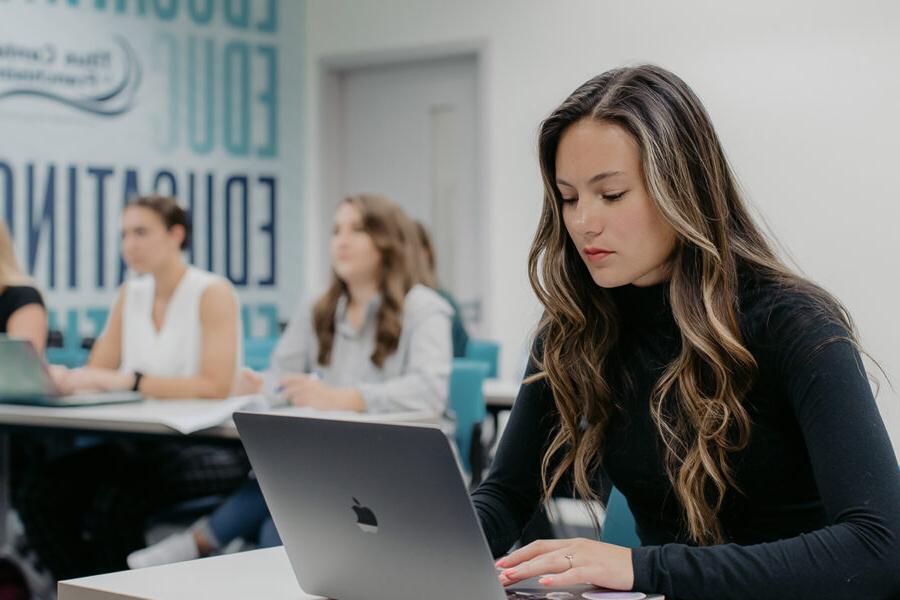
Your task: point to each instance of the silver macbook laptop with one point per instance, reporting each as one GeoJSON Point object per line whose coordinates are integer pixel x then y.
{"type": "Point", "coordinates": [25, 379]}
{"type": "Point", "coordinates": [371, 511]}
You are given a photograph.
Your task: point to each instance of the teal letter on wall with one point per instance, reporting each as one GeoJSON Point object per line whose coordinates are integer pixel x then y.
{"type": "Point", "coordinates": [237, 91]}
{"type": "Point", "coordinates": [201, 142]}
{"type": "Point", "coordinates": [268, 99]}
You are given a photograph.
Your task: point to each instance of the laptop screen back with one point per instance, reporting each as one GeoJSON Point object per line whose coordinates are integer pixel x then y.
{"type": "Point", "coordinates": [22, 371]}
{"type": "Point", "coordinates": [370, 510]}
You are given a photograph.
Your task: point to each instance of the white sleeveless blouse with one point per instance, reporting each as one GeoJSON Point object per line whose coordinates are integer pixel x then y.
{"type": "Point", "coordinates": [174, 350]}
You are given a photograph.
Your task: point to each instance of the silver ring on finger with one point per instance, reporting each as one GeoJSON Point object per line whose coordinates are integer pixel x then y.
{"type": "Point", "coordinates": [571, 559]}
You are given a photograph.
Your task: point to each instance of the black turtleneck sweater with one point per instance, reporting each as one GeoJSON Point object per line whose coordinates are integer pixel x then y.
{"type": "Point", "coordinates": [818, 514]}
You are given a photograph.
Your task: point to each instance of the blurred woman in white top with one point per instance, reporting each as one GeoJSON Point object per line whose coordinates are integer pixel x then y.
{"type": "Point", "coordinates": [173, 331]}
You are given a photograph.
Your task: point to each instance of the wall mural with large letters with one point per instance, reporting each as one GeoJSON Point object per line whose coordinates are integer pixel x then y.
{"type": "Point", "coordinates": [101, 100]}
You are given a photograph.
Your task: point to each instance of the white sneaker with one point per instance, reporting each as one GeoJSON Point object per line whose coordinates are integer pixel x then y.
{"type": "Point", "coordinates": [175, 548]}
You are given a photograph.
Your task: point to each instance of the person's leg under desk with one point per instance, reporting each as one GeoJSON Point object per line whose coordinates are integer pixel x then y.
{"type": "Point", "coordinates": [161, 474]}
{"type": "Point", "coordinates": [240, 516]}
{"type": "Point", "coordinates": [268, 535]}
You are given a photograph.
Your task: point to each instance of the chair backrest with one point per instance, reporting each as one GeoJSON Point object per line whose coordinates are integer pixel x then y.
{"type": "Point", "coordinates": [258, 352]}
{"type": "Point", "coordinates": [619, 527]}
{"type": "Point", "coordinates": [467, 402]}
{"type": "Point", "coordinates": [487, 351]}
{"type": "Point", "coordinates": [65, 351]}
{"type": "Point", "coordinates": [69, 357]}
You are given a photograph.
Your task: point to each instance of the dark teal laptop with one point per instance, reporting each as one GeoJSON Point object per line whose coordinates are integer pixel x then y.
{"type": "Point", "coordinates": [25, 379]}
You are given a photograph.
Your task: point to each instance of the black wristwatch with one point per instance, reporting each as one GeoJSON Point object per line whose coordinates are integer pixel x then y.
{"type": "Point", "coordinates": [137, 380]}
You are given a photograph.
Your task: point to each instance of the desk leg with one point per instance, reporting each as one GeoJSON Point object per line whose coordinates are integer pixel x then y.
{"type": "Point", "coordinates": [4, 488]}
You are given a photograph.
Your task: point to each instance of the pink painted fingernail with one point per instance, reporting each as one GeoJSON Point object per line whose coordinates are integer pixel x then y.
{"type": "Point", "coordinates": [545, 580]}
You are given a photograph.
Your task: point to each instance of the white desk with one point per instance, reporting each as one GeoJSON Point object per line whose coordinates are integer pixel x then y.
{"type": "Point", "coordinates": [162, 417]}
{"type": "Point", "coordinates": [257, 574]}
{"type": "Point", "coordinates": [200, 418]}
{"type": "Point", "coordinates": [148, 417]}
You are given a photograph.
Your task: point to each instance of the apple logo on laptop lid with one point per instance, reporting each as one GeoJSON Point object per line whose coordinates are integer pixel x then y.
{"type": "Point", "coordinates": [365, 518]}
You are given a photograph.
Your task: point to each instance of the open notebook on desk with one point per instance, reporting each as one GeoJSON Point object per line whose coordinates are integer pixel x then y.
{"type": "Point", "coordinates": [190, 416]}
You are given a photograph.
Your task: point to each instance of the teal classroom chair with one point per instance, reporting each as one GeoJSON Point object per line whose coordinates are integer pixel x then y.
{"type": "Point", "coordinates": [68, 357]}
{"type": "Point", "coordinates": [619, 527]}
{"type": "Point", "coordinates": [487, 351]}
{"type": "Point", "coordinates": [66, 351]}
{"type": "Point", "coordinates": [467, 402]}
{"type": "Point", "coordinates": [258, 352]}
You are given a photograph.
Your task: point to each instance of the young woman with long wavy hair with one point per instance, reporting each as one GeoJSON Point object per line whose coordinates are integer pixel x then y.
{"type": "Point", "coordinates": [680, 358]}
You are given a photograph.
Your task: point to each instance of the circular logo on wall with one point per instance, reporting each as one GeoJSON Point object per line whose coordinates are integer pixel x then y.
{"type": "Point", "coordinates": [91, 76]}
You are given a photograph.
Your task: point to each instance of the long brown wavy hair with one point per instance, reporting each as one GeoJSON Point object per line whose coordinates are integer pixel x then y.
{"type": "Point", "coordinates": [697, 404]}
{"type": "Point", "coordinates": [389, 228]}
{"type": "Point", "coordinates": [424, 251]}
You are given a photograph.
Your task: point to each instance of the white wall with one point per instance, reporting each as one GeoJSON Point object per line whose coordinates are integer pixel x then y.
{"type": "Point", "coordinates": [804, 96]}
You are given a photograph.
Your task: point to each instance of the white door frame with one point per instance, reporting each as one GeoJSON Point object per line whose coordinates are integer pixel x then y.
{"type": "Point", "coordinates": [325, 141]}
